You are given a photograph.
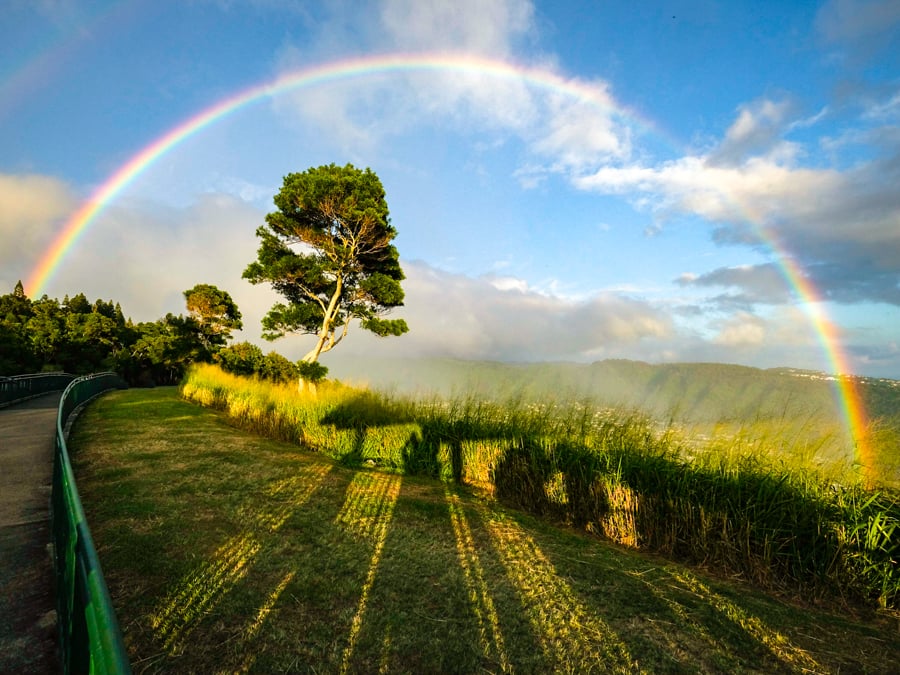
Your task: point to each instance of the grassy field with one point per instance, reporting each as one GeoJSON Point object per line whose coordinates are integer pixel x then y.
{"type": "Point", "coordinates": [750, 507]}
{"type": "Point", "coordinates": [226, 552]}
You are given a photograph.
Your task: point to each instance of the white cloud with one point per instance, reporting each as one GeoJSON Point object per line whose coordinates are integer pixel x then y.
{"type": "Point", "coordinates": [565, 123]}
{"type": "Point", "coordinates": [503, 318]}
{"type": "Point", "coordinates": [840, 225]}
{"type": "Point", "coordinates": [453, 315]}
{"type": "Point", "coordinates": [758, 190]}
{"type": "Point", "coordinates": [29, 201]}
{"type": "Point", "coordinates": [488, 28]}
{"type": "Point", "coordinates": [576, 134]}
{"type": "Point", "coordinates": [508, 284]}
{"type": "Point", "coordinates": [31, 210]}
{"type": "Point", "coordinates": [756, 132]}
{"type": "Point", "coordinates": [741, 331]}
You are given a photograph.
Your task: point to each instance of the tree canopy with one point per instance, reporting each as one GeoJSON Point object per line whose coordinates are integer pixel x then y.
{"type": "Point", "coordinates": [327, 251]}
{"type": "Point", "coordinates": [80, 336]}
{"type": "Point", "coordinates": [215, 312]}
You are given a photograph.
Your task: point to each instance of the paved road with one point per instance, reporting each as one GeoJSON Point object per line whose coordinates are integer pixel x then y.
{"type": "Point", "coordinates": [27, 606]}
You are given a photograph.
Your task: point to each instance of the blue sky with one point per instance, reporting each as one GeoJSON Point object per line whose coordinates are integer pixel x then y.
{"type": "Point", "coordinates": [533, 224]}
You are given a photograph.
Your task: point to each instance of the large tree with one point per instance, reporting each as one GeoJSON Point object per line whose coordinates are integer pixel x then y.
{"type": "Point", "coordinates": [327, 250]}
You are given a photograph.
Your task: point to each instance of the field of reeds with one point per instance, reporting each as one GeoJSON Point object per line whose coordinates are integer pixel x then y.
{"type": "Point", "coordinates": [616, 474]}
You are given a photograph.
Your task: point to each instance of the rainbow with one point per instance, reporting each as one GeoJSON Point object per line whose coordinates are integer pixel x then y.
{"type": "Point", "coordinates": [358, 67]}
{"type": "Point", "coordinates": [851, 404]}
{"type": "Point", "coordinates": [848, 396]}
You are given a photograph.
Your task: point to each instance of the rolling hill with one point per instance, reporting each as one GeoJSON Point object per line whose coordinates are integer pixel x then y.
{"type": "Point", "coordinates": [688, 392]}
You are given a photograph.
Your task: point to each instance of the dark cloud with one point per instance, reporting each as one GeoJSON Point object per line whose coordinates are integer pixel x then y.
{"type": "Point", "coordinates": [850, 285]}
{"type": "Point", "coordinates": [757, 284]}
{"type": "Point", "coordinates": [884, 359]}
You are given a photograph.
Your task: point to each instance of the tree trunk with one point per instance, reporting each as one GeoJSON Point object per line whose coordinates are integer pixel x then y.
{"type": "Point", "coordinates": [313, 355]}
{"type": "Point", "coordinates": [306, 385]}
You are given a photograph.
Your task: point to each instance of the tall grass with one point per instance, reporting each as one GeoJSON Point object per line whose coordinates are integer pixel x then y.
{"type": "Point", "coordinates": [615, 474]}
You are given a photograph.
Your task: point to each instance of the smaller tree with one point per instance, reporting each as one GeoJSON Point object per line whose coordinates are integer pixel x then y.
{"type": "Point", "coordinates": [47, 331]}
{"type": "Point", "coordinates": [242, 358]}
{"type": "Point", "coordinates": [277, 368]}
{"type": "Point", "coordinates": [215, 313]}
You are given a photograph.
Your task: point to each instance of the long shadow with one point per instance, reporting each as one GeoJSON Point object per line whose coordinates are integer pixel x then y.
{"type": "Point", "coordinates": [340, 543]}
{"type": "Point", "coordinates": [634, 489]}
{"type": "Point", "coordinates": [594, 607]}
{"type": "Point", "coordinates": [198, 593]}
{"type": "Point", "coordinates": [436, 448]}
{"type": "Point", "coordinates": [438, 605]}
{"type": "Point", "coordinates": [633, 606]}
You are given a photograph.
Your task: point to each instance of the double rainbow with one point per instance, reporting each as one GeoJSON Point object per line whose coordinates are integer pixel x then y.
{"type": "Point", "coordinates": [851, 405]}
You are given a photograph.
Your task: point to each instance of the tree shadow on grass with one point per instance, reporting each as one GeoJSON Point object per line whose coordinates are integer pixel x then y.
{"type": "Point", "coordinates": [593, 606]}
{"type": "Point", "coordinates": [416, 441]}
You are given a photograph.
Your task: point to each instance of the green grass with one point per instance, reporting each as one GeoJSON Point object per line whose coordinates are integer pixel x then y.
{"type": "Point", "coordinates": [227, 552]}
{"type": "Point", "coordinates": [749, 507]}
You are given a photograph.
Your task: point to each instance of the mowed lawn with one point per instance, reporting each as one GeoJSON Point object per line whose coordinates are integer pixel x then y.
{"type": "Point", "coordinates": [226, 552]}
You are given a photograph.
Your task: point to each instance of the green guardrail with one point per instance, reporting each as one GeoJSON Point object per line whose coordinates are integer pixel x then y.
{"type": "Point", "coordinates": [89, 637]}
{"type": "Point", "coordinates": [22, 387]}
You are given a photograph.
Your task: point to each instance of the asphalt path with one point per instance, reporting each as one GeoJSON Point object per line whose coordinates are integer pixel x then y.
{"type": "Point", "coordinates": [27, 607]}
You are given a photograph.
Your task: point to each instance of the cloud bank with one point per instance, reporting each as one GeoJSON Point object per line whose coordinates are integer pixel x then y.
{"type": "Point", "coordinates": [840, 225]}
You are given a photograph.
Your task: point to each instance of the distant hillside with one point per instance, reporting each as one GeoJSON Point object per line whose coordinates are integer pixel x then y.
{"type": "Point", "coordinates": [690, 392]}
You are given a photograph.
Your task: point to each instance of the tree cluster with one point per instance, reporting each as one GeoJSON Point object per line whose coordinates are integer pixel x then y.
{"type": "Point", "coordinates": [78, 336]}
{"type": "Point", "coordinates": [245, 358]}
{"type": "Point", "coordinates": [327, 251]}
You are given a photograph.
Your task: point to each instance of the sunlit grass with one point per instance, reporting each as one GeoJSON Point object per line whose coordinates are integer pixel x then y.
{"type": "Point", "coordinates": [770, 501]}
{"type": "Point", "coordinates": [367, 514]}
{"type": "Point", "coordinates": [564, 625]}
{"type": "Point", "coordinates": [195, 595]}
{"type": "Point", "coordinates": [490, 635]}
{"type": "Point", "coordinates": [306, 566]}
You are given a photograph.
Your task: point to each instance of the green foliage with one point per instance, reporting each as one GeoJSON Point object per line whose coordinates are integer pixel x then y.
{"type": "Point", "coordinates": [242, 358]}
{"type": "Point", "coordinates": [79, 336]}
{"type": "Point", "coordinates": [164, 348]}
{"type": "Point", "coordinates": [16, 353]}
{"type": "Point", "coordinates": [277, 368]}
{"type": "Point", "coordinates": [385, 327]}
{"type": "Point", "coordinates": [311, 371]}
{"type": "Point", "coordinates": [615, 474]}
{"type": "Point", "coordinates": [247, 359]}
{"type": "Point", "coordinates": [345, 267]}
{"type": "Point", "coordinates": [215, 313]}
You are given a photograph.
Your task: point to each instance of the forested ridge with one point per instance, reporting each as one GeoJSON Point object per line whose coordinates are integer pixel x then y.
{"type": "Point", "coordinates": [697, 392]}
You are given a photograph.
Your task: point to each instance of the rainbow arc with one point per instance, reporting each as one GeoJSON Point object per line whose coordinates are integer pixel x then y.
{"type": "Point", "coordinates": [850, 401]}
